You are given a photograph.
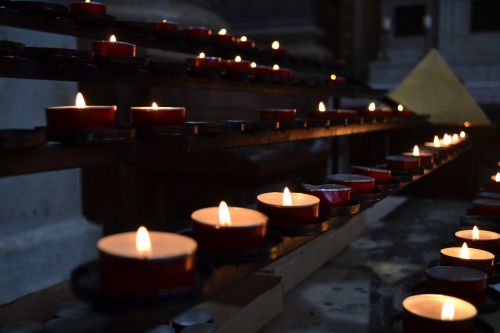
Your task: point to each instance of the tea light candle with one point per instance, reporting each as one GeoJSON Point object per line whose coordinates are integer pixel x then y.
{"type": "Point", "coordinates": [281, 73]}
{"type": "Point", "coordinates": [164, 26]}
{"type": "Point", "coordinates": [289, 208]}
{"type": "Point", "coordinates": [400, 162]}
{"type": "Point", "coordinates": [378, 112]}
{"type": "Point", "coordinates": [438, 313]}
{"type": "Point", "coordinates": [244, 41]}
{"type": "Point", "coordinates": [202, 61]}
{"type": "Point", "coordinates": [113, 48]}
{"type": "Point", "coordinates": [436, 147]}
{"type": "Point", "coordinates": [87, 7]}
{"type": "Point", "coordinates": [330, 195]}
{"type": "Point", "coordinates": [277, 49]}
{"type": "Point", "coordinates": [154, 115]}
{"type": "Point", "coordinates": [145, 262]}
{"type": "Point", "coordinates": [236, 65]}
{"type": "Point", "coordinates": [465, 283]}
{"type": "Point", "coordinates": [486, 207]}
{"type": "Point", "coordinates": [403, 111]}
{"type": "Point", "coordinates": [198, 32]}
{"type": "Point", "coordinates": [480, 239]}
{"type": "Point", "coordinates": [337, 80]}
{"type": "Point", "coordinates": [226, 229]}
{"type": "Point", "coordinates": [381, 176]}
{"type": "Point", "coordinates": [278, 114]}
{"type": "Point", "coordinates": [426, 158]}
{"type": "Point", "coordinates": [467, 257]}
{"type": "Point", "coordinates": [329, 114]}
{"type": "Point", "coordinates": [357, 183]}
{"type": "Point", "coordinates": [222, 37]}
{"type": "Point", "coordinates": [80, 116]}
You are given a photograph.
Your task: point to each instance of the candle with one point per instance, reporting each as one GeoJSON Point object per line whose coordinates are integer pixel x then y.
{"type": "Point", "coordinates": [378, 112]}
{"type": "Point", "coordinates": [381, 176]}
{"type": "Point", "coordinates": [146, 262]}
{"type": "Point", "coordinates": [480, 239]}
{"type": "Point", "coordinates": [281, 73]}
{"type": "Point", "coordinates": [438, 313]}
{"type": "Point", "coordinates": [330, 114]}
{"type": "Point", "coordinates": [164, 26]}
{"type": "Point", "coordinates": [403, 111]}
{"type": "Point", "coordinates": [486, 207]}
{"type": "Point", "coordinates": [154, 115]}
{"type": "Point", "coordinates": [436, 147]}
{"type": "Point", "coordinates": [87, 7]}
{"type": "Point", "coordinates": [468, 257]}
{"type": "Point", "coordinates": [335, 79]}
{"type": "Point", "coordinates": [289, 208]}
{"type": "Point", "coordinates": [330, 195]}
{"type": "Point", "coordinates": [463, 136]}
{"type": "Point", "coordinates": [465, 283]}
{"type": "Point", "coordinates": [202, 62]}
{"type": "Point", "coordinates": [243, 41]}
{"type": "Point", "coordinates": [401, 162]}
{"type": "Point", "coordinates": [198, 32]}
{"type": "Point", "coordinates": [357, 183]}
{"type": "Point", "coordinates": [222, 37]}
{"type": "Point", "coordinates": [426, 158]}
{"type": "Point", "coordinates": [237, 65]}
{"type": "Point", "coordinates": [427, 22]}
{"type": "Point", "coordinates": [80, 116]}
{"type": "Point", "coordinates": [113, 48]}
{"type": "Point", "coordinates": [276, 48]}
{"type": "Point", "coordinates": [494, 183]}
{"type": "Point", "coordinates": [278, 114]}
{"type": "Point", "coordinates": [226, 229]}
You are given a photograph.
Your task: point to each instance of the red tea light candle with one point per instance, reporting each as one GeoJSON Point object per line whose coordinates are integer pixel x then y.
{"type": "Point", "coordinates": [403, 111]}
{"type": "Point", "coordinates": [289, 208]}
{"type": "Point", "coordinates": [145, 262]}
{"type": "Point", "coordinates": [80, 116]}
{"type": "Point", "coordinates": [258, 70]}
{"type": "Point", "coordinates": [468, 257]}
{"type": "Point", "coordinates": [330, 195]}
{"type": "Point", "coordinates": [223, 37]}
{"type": "Point", "coordinates": [357, 183]}
{"type": "Point", "coordinates": [337, 80]}
{"type": "Point", "coordinates": [401, 162]}
{"type": "Point", "coordinates": [378, 112]}
{"type": "Point", "coordinates": [436, 147]}
{"type": "Point", "coordinates": [87, 7]}
{"type": "Point", "coordinates": [202, 61]}
{"type": "Point", "coordinates": [381, 176]}
{"type": "Point", "coordinates": [243, 41]}
{"type": "Point", "coordinates": [438, 314]}
{"type": "Point", "coordinates": [113, 48]}
{"type": "Point", "coordinates": [329, 114]}
{"type": "Point", "coordinates": [226, 229]}
{"type": "Point", "coordinates": [278, 114]}
{"type": "Point", "coordinates": [236, 65]}
{"type": "Point", "coordinates": [480, 239]}
{"type": "Point", "coordinates": [455, 139]}
{"type": "Point", "coordinates": [426, 158]}
{"type": "Point", "coordinates": [461, 282]}
{"type": "Point", "coordinates": [164, 26]}
{"type": "Point", "coordinates": [276, 48]}
{"type": "Point", "coordinates": [154, 115]}
{"type": "Point", "coordinates": [198, 32]}
{"type": "Point", "coordinates": [282, 73]}
{"type": "Point", "coordinates": [486, 207]}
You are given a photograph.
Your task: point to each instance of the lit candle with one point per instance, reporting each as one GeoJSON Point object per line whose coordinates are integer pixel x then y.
{"type": "Point", "coordinates": [329, 114]}
{"type": "Point", "coordinates": [289, 208]}
{"type": "Point", "coordinates": [426, 158]}
{"type": "Point", "coordinates": [455, 139]}
{"type": "Point", "coordinates": [337, 80]}
{"type": "Point", "coordinates": [80, 116]}
{"type": "Point", "coordinates": [113, 48]}
{"type": "Point", "coordinates": [244, 41]}
{"type": "Point", "coordinates": [165, 26]}
{"type": "Point", "coordinates": [198, 32]}
{"type": "Point", "coordinates": [381, 176]}
{"type": "Point", "coordinates": [386, 24]}
{"type": "Point", "coordinates": [281, 73]}
{"type": "Point", "coordinates": [468, 257]}
{"type": "Point", "coordinates": [435, 146]}
{"type": "Point", "coordinates": [403, 111]}
{"type": "Point", "coordinates": [357, 183]}
{"type": "Point", "coordinates": [223, 37]}
{"type": "Point", "coordinates": [378, 112]}
{"type": "Point", "coordinates": [402, 162]}
{"type": "Point", "coordinates": [462, 135]}
{"type": "Point", "coordinates": [276, 48]}
{"type": "Point", "coordinates": [480, 239]}
{"type": "Point", "coordinates": [261, 73]}
{"type": "Point", "coordinates": [237, 65]}
{"type": "Point", "coordinates": [87, 7]}
{"type": "Point", "coordinates": [438, 313]}
{"type": "Point", "coordinates": [203, 64]}
{"type": "Point", "coordinates": [490, 207]}
{"type": "Point", "coordinates": [154, 115]}
{"type": "Point", "coordinates": [226, 229]}
{"type": "Point", "coordinates": [145, 262]}
{"type": "Point", "coordinates": [278, 114]}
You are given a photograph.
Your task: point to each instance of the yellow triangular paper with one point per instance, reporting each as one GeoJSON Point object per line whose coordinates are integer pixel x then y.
{"type": "Point", "coordinates": [432, 88]}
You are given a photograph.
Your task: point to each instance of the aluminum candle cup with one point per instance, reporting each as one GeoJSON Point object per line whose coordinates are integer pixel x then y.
{"type": "Point", "coordinates": [243, 41]}
{"type": "Point", "coordinates": [484, 240]}
{"type": "Point", "coordinates": [244, 230]}
{"type": "Point", "coordinates": [330, 195]}
{"type": "Point", "coordinates": [400, 162]}
{"type": "Point", "coordinates": [486, 207]}
{"type": "Point", "coordinates": [426, 158]}
{"type": "Point", "coordinates": [461, 282]}
{"type": "Point", "coordinates": [494, 183]}
{"type": "Point", "coordinates": [381, 176]}
{"type": "Point", "coordinates": [278, 114]}
{"type": "Point", "coordinates": [477, 259]}
{"type": "Point", "coordinates": [357, 183]}
{"type": "Point", "coordinates": [83, 7]}
{"type": "Point", "coordinates": [144, 263]}
{"type": "Point", "coordinates": [149, 116]}
{"type": "Point", "coordinates": [438, 314]}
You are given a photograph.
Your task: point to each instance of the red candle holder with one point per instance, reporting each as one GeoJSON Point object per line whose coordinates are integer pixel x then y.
{"type": "Point", "coordinates": [332, 114]}
{"type": "Point", "coordinates": [165, 26]}
{"type": "Point", "coordinates": [204, 62]}
{"type": "Point", "coordinates": [224, 39]}
{"type": "Point", "coordinates": [198, 32]}
{"type": "Point", "coordinates": [330, 195]}
{"type": "Point", "coordinates": [236, 66]}
{"type": "Point", "coordinates": [400, 162]}
{"type": "Point", "coordinates": [112, 48]}
{"type": "Point", "coordinates": [82, 7]}
{"type": "Point", "coordinates": [486, 207]}
{"type": "Point", "coordinates": [487, 241]}
{"type": "Point", "coordinates": [357, 183]}
{"type": "Point", "coordinates": [278, 114]}
{"type": "Point", "coordinates": [381, 176]}
{"type": "Point", "coordinates": [70, 118]}
{"type": "Point", "coordinates": [158, 116]}
{"type": "Point", "coordinates": [304, 210]}
{"type": "Point", "coordinates": [478, 259]}
{"type": "Point", "coordinates": [244, 42]}
{"type": "Point", "coordinates": [377, 113]}
{"type": "Point", "coordinates": [426, 158]}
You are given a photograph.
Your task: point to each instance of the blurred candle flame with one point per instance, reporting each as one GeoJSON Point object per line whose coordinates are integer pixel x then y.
{"type": "Point", "coordinates": [87, 1]}
{"type": "Point", "coordinates": [448, 310]}
{"type": "Point", "coordinates": [371, 107]}
{"type": "Point", "coordinates": [275, 45]}
{"type": "Point", "coordinates": [464, 252]}
{"type": "Point", "coordinates": [467, 124]}
{"type": "Point", "coordinates": [400, 107]}
{"type": "Point", "coordinates": [437, 143]}
{"type": "Point", "coordinates": [143, 242]}
{"type": "Point", "coordinates": [276, 67]}
{"type": "Point", "coordinates": [201, 55]}
{"type": "Point", "coordinates": [112, 38]}
{"type": "Point", "coordinates": [416, 151]}
{"type": "Point", "coordinates": [475, 233]}
{"type": "Point", "coordinates": [164, 21]}
{"type": "Point", "coordinates": [222, 31]}
{"type": "Point", "coordinates": [224, 215]}
{"type": "Point", "coordinates": [333, 77]}
{"type": "Point", "coordinates": [321, 107]}
{"type": "Point", "coordinates": [237, 58]}
{"type": "Point", "coordinates": [80, 101]}
{"type": "Point", "coordinates": [287, 197]}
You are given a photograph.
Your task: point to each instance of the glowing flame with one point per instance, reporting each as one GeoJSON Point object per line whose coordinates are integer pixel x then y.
{"type": "Point", "coordinates": [462, 135]}
{"type": "Point", "coordinates": [467, 124]}
{"type": "Point", "coordinates": [222, 31]}
{"type": "Point", "coordinates": [437, 143]}
{"type": "Point", "coordinates": [464, 252]}
{"type": "Point", "coordinates": [112, 38]}
{"type": "Point", "coordinates": [454, 138]}
{"type": "Point", "coordinates": [276, 67]}
{"type": "Point", "coordinates": [416, 151]}
{"type": "Point", "coordinates": [475, 233]}
{"type": "Point", "coordinates": [164, 21]}
{"type": "Point", "coordinates": [80, 101]}
{"type": "Point", "coordinates": [333, 77]}
{"type": "Point", "coordinates": [448, 310]}
{"type": "Point", "coordinates": [446, 139]}
{"type": "Point", "coordinates": [371, 107]}
{"type": "Point", "coordinates": [275, 45]}
{"type": "Point", "coordinates": [400, 107]}
{"type": "Point", "coordinates": [201, 55]}
{"type": "Point", "coordinates": [237, 58]}
{"type": "Point", "coordinates": [321, 107]}
{"type": "Point", "coordinates": [224, 216]}
{"type": "Point", "coordinates": [154, 106]}
{"type": "Point", "coordinates": [143, 242]}
{"type": "Point", "coordinates": [243, 38]}
{"type": "Point", "coordinates": [87, 1]}
{"type": "Point", "coordinates": [497, 177]}
{"type": "Point", "coordinates": [287, 197]}
{"type": "Point", "coordinates": [253, 64]}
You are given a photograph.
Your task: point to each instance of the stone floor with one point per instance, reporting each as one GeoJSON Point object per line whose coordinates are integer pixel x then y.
{"type": "Point", "coordinates": [362, 288]}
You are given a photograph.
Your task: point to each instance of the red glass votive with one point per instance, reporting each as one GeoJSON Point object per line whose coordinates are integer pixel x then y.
{"type": "Point", "coordinates": [330, 195]}
{"type": "Point", "coordinates": [82, 7]}
{"type": "Point", "coordinates": [278, 114]}
{"type": "Point", "coordinates": [207, 62]}
{"type": "Point", "coordinates": [486, 206]}
{"type": "Point", "coordinates": [158, 116]}
{"type": "Point", "coordinates": [165, 25]}
{"type": "Point", "coordinates": [68, 118]}
{"type": "Point", "coordinates": [404, 113]}
{"type": "Point", "coordinates": [381, 176]}
{"type": "Point", "coordinates": [106, 48]}
{"type": "Point", "coordinates": [331, 114]}
{"type": "Point", "coordinates": [357, 183]}
{"type": "Point", "coordinates": [478, 259]}
{"type": "Point", "coordinates": [402, 162]}
{"type": "Point", "coordinates": [442, 152]}
{"type": "Point", "coordinates": [198, 32]}
{"type": "Point", "coordinates": [123, 270]}
{"type": "Point", "coordinates": [244, 42]}
{"type": "Point", "coordinates": [236, 66]}
{"type": "Point", "coordinates": [488, 240]}
{"type": "Point", "coordinates": [304, 208]}
{"type": "Point", "coordinates": [247, 231]}
{"type": "Point", "coordinates": [426, 158]}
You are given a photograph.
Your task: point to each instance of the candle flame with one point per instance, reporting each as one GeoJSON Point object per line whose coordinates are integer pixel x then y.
{"type": "Point", "coordinates": [154, 106]}
{"type": "Point", "coordinates": [87, 1]}
{"type": "Point", "coordinates": [475, 233]}
{"type": "Point", "coordinates": [497, 177]}
{"type": "Point", "coordinates": [287, 197]}
{"type": "Point", "coordinates": [446, 139]}
{"type": "Point", "coordinates": [400, 107]}
{"type": "Point", "coordinates": [467, 124]}
{"type": "Point", "coordinates": [143, 242]}
{"type": "Point", "coordinates": [448, 310]}
{"type": "Point", "coordinates": [371, 107]}
{"type": "Point", "coordinates": [112, 38]}
{"type": "Point", "coordinates": [275, 45]}
{"type": "Point", "coordinates": [201, 55]}
{"type": "Point", "coordinates": [464, 252]}
{"type": "Point", "coordinates": [333, 77]}
{"type": "Point", "coordinates": [416, 151]}
{"type": "Point", "coordinates": [237, 58]}
{"type": "Point", "coordinates": [222, 31]}
{"type": "Point", "coordinates": [253, 64]}
{"type": "Point", "coordinates": [164, 21]}
{"type": "Point", "coordinates": [80, 101]}
{"type": "Point", "coordinates": [224, 216]}
{"type": "Point", "coordinates": [437, 143]}
{"type": "Point", "coordinates": [321, 107]}
{"type": "Point", "coordinates": [276, 67]}
{"type": "Point", "coordinates": [243, 38]}
{"type": "Point", "coordinates": [454, 138]}
{"type": "Point", "coordinates": [462, 135]}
